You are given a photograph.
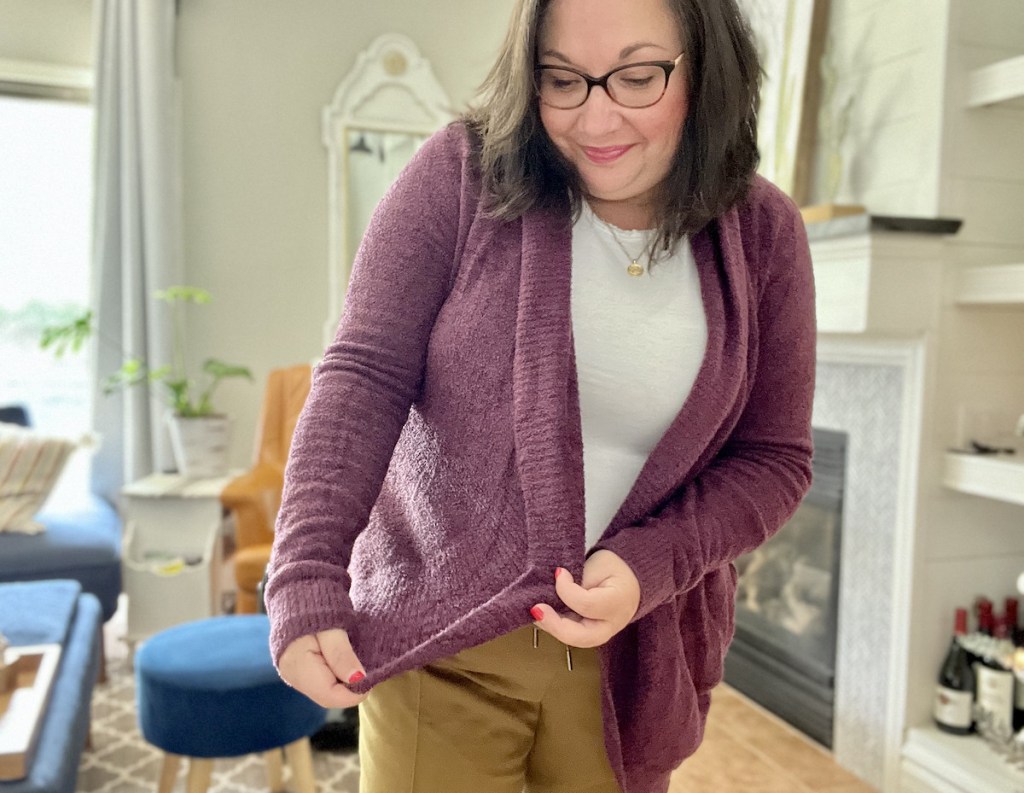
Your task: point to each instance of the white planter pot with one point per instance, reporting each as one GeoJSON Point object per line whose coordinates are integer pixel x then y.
{"type": "Point", "coordinates": [200, 444]}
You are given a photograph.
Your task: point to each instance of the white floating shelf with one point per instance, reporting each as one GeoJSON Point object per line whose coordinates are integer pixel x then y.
{"type": "Point", "coordinates": [1002, 81]}
{"type": "Point", "coordinates": [956, 763]}
{"type": "Point", "coordinates": [992, 285]}
{"type": "Point", "coordinates": [989, 476]}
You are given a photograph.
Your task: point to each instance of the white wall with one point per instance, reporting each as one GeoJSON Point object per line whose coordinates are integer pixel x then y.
{"type": "Point", "coordinates": [890, 56]}
{"type": "Point", "coordinates": [970, 546]}
{"type": "Point", "coordinates": [255, 74]}
{"type": "Point", "coordinates": [983, 153]}
{"type": "Point", "coordinates": [52, 31]}
{"type": "Point", "coordinates": [254, 77]}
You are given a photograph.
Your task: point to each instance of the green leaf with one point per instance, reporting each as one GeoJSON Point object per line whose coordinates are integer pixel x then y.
{"type": "Point", "coordinates": [71, 335]}
{"type": "Point", "coordinates": [219, 370]}
{"type": "Point", "coordinates": [132, 372]}
{"type": "Point", "coordinates": [183, 294]}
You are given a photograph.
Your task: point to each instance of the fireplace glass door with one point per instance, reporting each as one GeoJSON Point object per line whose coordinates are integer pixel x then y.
{"type": "Point", "coordinates": [787, 607]}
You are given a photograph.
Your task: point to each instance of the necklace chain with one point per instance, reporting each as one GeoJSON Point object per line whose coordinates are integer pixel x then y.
{"type": "Point", "coordinates": [635, 269]}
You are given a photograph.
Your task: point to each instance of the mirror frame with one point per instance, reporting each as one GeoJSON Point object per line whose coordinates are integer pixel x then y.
{"type": "Point", "coordinates": [367, 100]}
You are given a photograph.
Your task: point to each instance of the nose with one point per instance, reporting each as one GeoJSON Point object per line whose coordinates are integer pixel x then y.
{"type": "Point", "coordinates": [599, 114]}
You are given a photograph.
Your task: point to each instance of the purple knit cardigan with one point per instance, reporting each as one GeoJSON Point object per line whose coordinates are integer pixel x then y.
{"type": "Point", "coordinates": [436, 475]}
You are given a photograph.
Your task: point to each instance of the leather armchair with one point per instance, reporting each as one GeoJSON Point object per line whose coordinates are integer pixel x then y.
{"type": "Point", "coordinates": [255, 497]}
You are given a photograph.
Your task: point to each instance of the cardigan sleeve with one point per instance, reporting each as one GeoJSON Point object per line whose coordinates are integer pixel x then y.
{"type": "Point", "coordinates": [755, 483]}
{"type": "Point", "coordinates": [363, 388]}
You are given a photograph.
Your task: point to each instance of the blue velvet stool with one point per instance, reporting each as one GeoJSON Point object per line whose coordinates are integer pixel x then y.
{"type": "Point", "coordinates": [208, 689]}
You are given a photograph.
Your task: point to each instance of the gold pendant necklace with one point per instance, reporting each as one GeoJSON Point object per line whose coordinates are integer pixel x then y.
{"type": "Point", "coordinates": [635, 269]}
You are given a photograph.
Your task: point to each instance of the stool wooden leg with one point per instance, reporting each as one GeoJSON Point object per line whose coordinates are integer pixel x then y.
{"type": "Point", "coordinates": [200, 769]}
{"type": "Point", "coordinates": [300, 760]}
{"type": "Point", "coordinates": [275, 775]}
{"type": "Point", "coordinates": [102, 674]}
{"type": "Point", "coordinates": [169, 772]}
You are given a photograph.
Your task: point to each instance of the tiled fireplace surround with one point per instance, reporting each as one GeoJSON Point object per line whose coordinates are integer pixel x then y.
{"type": "Point", "coordinates": [870, 382]}
{"type": "Point", "coordinates": [867, 390]}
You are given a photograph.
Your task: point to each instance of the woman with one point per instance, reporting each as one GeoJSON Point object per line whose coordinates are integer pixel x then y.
{"type": "Point", "coordinates": [571, 385]}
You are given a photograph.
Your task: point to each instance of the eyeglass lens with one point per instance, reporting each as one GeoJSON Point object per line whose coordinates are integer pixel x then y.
{"type": "Point", "coordinates": [632, 86]}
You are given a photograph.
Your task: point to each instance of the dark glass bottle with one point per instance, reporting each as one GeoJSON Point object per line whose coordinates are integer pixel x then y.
{"type": "Point", "coordinates": [994, 681]}
{"type": "Point", "coordinates": [986, 617]}
{"type": "Point", "coordinates": [1010, 616]}
{"type": "Point", "coordinates": [1017, 663]}
{"type": "Point", "coordinates": [954, 694]}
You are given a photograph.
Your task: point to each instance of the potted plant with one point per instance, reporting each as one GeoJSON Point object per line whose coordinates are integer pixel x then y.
{"type": "Point", "coordinates": [199, 433]}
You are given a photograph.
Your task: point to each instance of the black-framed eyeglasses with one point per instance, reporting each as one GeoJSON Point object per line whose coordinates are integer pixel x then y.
{"type": "Point", "coordinates": [634, 85]}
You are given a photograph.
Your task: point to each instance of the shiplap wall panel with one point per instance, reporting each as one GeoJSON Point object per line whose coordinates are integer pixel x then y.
{"type": "Point", "coordinates": [889, 56]}
{"type": "Point", "coordinates": [966, 542]}
{"type": "Point", "coordinates": [995, 23]}
{"type": "Point", "coordinates": [991, 130]}
{"type": "Point", "coordinates": [983, 153]}
{"type": "Point", "coordinates": [992, 209]}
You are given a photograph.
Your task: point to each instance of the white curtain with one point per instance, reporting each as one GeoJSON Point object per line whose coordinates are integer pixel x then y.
{"type": "Point", "coordinates": [137, 225]}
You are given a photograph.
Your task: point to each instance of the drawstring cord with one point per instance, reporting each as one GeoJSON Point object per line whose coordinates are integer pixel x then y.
{"type": "Point", "coordinates": [568, 650]}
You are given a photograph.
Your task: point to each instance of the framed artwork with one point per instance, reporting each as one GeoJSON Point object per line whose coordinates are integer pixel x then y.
{"type": "Point", "coordinates": [790, 37]}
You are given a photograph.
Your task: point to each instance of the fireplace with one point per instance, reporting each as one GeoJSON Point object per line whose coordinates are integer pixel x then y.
{"type": "Point", "coordinates": [787, 604]}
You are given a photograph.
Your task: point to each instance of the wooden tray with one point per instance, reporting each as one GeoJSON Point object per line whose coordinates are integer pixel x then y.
{"type": "Point", "coordinates": [23, 705]}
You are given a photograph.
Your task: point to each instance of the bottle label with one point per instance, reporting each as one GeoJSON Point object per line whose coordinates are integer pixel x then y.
{"type": "Point", "coordinates": [953, 708]}
{"type": "Point", "coordinates": [995, 695]}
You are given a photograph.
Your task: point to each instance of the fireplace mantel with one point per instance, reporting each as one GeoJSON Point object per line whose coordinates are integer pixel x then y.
{"type": "Point", "coordinates": [878, 275]}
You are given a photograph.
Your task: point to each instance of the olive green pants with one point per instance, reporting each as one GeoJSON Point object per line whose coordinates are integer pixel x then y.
{"type": "Point", "coordinates": [503, 717]}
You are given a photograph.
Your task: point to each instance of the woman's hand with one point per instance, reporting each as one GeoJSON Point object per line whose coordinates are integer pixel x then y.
{"type": "Point", "coordinates": [320, 665]}
{"type": "Point", "coordinates": [604, 603]}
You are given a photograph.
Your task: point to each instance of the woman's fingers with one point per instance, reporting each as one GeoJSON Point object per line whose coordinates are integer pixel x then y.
{"type": "Point", "coordinates": [339, 656]}
{"type": "Point", "coordinates": [571, 629]}
{"type": "Point", "coordinates": [602, 606]}
{"type": "Point", "coordinates": [308, 665]}
{"type": "Point", "coordinates": [601, 602]}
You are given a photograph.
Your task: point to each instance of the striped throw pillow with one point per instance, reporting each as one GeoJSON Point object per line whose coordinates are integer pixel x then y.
{"type": "Point", "coordinates": [30, 465]}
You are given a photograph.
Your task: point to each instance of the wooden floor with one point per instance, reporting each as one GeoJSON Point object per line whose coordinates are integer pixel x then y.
{"type": "Point", "coordinates": [748, 750]}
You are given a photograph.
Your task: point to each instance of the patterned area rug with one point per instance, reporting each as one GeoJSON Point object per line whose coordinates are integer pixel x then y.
{"type": "Point", "coordinates": [120, 761]}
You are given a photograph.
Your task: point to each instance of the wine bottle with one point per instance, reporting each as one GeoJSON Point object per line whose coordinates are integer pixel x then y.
{"type": "Point", "coordinates": [1018, 689]}
{"type": "Point", "coordinates": [1017, 665]}
{"type": "Point", "coordinates": [995, 682]}
{"type": "Point", "coordinates": [954, 694]}
{"type": "Point", "coordinates": [986, 618]}
{"type": "Point", "coordinates": [1010, 616]}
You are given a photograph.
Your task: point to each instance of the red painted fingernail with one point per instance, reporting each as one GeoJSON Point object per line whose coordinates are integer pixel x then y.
{"type": "Point", "coordinates": [558, 572]}
{"type": "Point", "coordinates": [537, 613]}
{"type": "Point", "coordinates": [356, 677]}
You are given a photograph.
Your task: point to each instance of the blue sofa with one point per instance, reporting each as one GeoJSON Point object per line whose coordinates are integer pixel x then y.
{"type": "Point", "coordinates": [81, 543]}
{"type": "Point", "coordinates": [47, 612]}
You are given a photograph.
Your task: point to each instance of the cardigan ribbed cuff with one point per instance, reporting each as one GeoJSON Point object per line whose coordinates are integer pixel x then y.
{"type": "Point", "coordinates": [651, 565]}
{"type": "Point", "coordinates": [303, 608]}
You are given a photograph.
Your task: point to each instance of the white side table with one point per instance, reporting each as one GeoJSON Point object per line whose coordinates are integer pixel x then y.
{"type": "Point", "coordinates": [172, 553]}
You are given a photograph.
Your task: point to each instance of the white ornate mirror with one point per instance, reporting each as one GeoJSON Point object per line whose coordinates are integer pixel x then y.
{"type": "Point", "coordinates": [381, 112]}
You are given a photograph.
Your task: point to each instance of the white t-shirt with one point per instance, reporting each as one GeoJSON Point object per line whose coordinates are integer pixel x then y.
{"type": "Point", "coordinates": [640, 342]}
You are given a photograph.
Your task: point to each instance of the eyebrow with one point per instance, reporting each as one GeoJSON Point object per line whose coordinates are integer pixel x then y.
{"type": "Point", "coordinates": [623, 54]}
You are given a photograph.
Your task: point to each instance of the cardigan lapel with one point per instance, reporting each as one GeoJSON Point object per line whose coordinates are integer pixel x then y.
{"type": "Point", "coordinates": [715, 401]}
{"type": "Point", "coordinates": [546, 415]}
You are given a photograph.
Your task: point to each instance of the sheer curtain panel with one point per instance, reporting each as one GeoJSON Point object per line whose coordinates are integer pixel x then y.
{"type": "Point", "coordinates": [137, 225]}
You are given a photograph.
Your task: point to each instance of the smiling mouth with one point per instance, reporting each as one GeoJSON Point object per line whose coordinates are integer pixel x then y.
{"type": "Point", "coordinates": [605, 154]}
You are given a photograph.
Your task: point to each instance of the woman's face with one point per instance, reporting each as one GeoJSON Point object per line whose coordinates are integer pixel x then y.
{"type": "Point", "coordinates": [621, 153]}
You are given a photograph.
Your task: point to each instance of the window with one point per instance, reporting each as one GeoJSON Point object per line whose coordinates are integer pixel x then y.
{"type": "Point", "coordinates": [45, 239]}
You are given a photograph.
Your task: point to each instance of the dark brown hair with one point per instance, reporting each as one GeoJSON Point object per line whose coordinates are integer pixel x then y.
{"type": "Point", "coordinates": [717, 154]}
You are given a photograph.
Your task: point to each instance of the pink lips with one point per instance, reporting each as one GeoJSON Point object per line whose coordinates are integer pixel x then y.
{"type": "Point", "coordinates": [605, 154]}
